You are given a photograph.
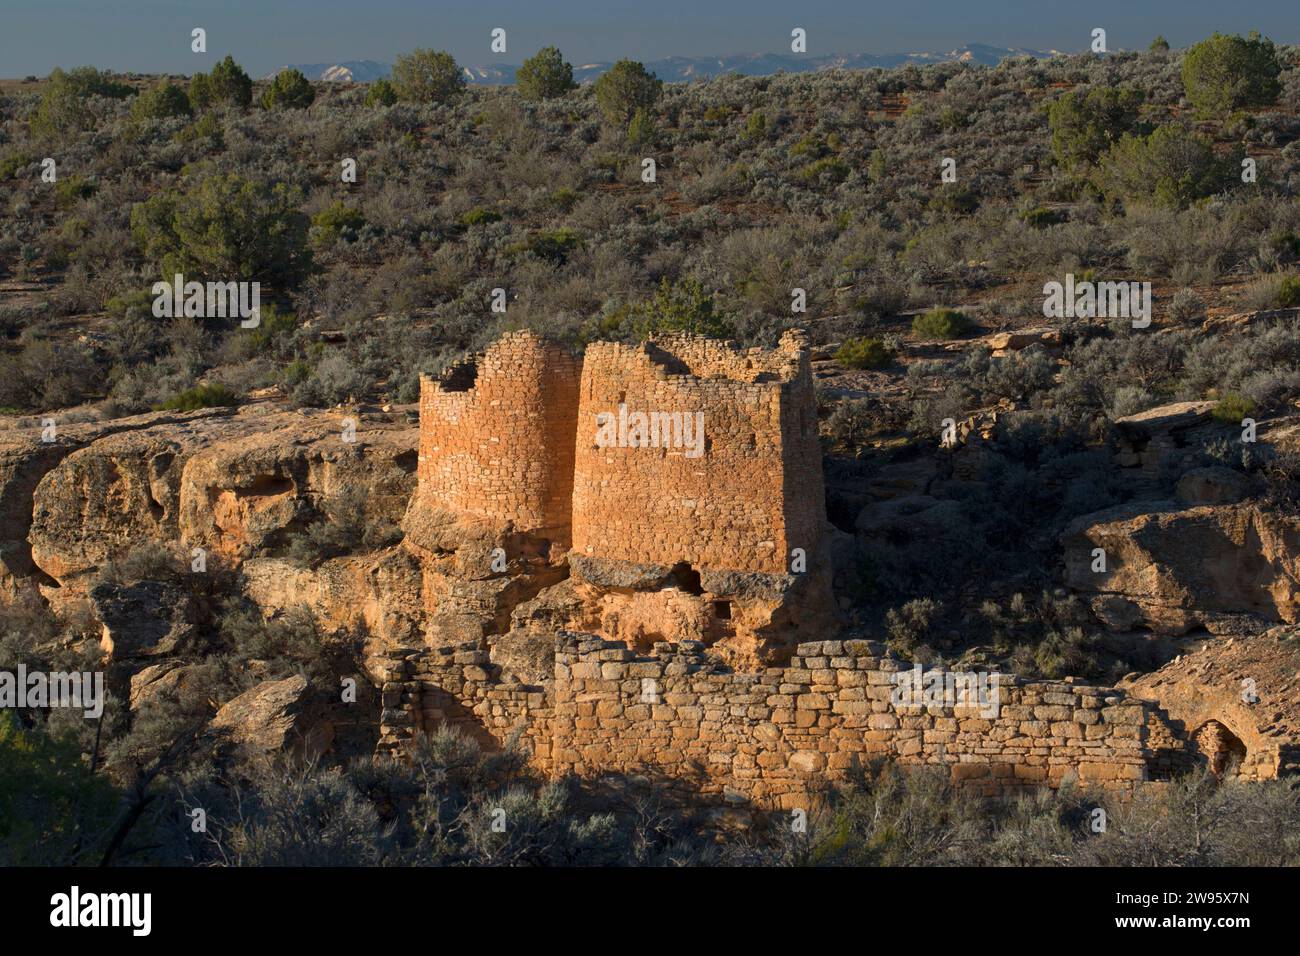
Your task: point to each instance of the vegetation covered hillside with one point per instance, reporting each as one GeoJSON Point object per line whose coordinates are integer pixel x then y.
{"type": "Point", "coordinates": [980, 449]}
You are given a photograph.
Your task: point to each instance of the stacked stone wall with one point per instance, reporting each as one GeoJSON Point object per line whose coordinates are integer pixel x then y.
{"type": "Point", "coordinates": [773, 736]}
{"type": "Point", "coordinates": [496, 440]}
{"type": "Point", "coordinates": [751, 494]}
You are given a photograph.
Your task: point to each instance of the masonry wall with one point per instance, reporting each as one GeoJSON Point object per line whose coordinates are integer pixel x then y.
{"type": "Point", "coordinates": [496, 440]}
{"type": "Point", "coordinates": [771, 736]}
{"type": "Point", "coordinates": [755, 493]}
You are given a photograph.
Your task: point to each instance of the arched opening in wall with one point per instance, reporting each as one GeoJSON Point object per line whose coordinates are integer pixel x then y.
{"type": "Point", "coordinates": [685, 578]}
{"type": "Point", "coordinates": [1222, 749]}
{"type": "Point", "coordinates": [722, 610]}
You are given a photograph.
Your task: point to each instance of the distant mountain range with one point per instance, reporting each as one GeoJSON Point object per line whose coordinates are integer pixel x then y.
{"type": "Point", "coordinates": [675, 69]}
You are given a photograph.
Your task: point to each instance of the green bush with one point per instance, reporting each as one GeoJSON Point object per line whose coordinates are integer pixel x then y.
{"type": "Point", "coordinates": [71, 188]}
{"type": "Point", "coordinates": [273, 329]}
{"type": "Point", "coordinates": [832, 166]}
{"type": "Point", "coordinates": [1233, 407]}
{"type": "Point", "coordinates": [225, 228]}
{"type": "Point", "coordinates": [1085, 125]}
{"type": "Point", "coordinates": [1171, 168]}
{"type": "Point", "coordinates": [338, 220]}
{"type": "Point", "coordinates": [681, 307]}
{"type": "Point", "coordinates": [1288, 292]}
{"type": "Point", "coordinates": [10, 165]}
{"type": "Point", "coordinates": [941, 324]}
{"type": "Point", "coordinates": [1040, 217]}
{"type": "Point", "coordinates": [53, 809]}
{"type": "Point", "coordinates": [381, 93]}
{"type": "Point", "coordinates": [1226, 73]}
{"type": "Point", "coordinates": [554, 245]}
{"type": "Point", "coordinates": [863, 353]}
{"type": "Point", "coordinates": [290, 89]}
{"type": "Point", "coordinates": [626, 87]}
{"type": "Point", "coordinates": [62, 108]}
{"type": "Point", "coordinates": [227, 84]}
{"type": "Point", "coordinates": [428, 76]}
{"type": "Point", "coordinates": [206, 395]}
{"type": "Point", "coordinates": [564, 198]}
{"type": "Point", "coordinates": [544, 75]}
{"type": "Point", "coordinates": [480, 216]}
{"type": "Point", "coordinates": [161, 101]}
{"type": "Point", "coordinates": [641, 129]}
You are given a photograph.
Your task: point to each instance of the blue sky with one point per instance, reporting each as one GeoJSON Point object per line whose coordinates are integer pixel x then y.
{"type": "Point", "coordinates": [153, 35]}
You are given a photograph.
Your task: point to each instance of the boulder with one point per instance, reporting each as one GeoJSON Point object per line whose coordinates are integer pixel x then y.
{"type": "Point", "coordinates": [1164, 419]}
{"type": "Point", "coordinates": [1216, 485]}
{"type": "Point", "coordinates": [161, 678]}
{"type": "Point", "coordinates": [271, 718]}
{"type": "Point", "coordinates": [144, 619]}
{"type": "Point", "coordinates": [1014, 341]}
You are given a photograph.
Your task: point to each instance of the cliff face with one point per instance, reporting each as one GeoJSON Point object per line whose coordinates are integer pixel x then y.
{"type": "Point", "coordinates": [226, 490]}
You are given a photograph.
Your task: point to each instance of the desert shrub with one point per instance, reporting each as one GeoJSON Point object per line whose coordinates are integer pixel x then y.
{"type": "Point", "coordinates": [427, 76]}
{"type": "Point", "coordinates": [269, 334]}
{"type": "Point", "coordinates": [1233, 408]}
{"type": "Point", "coordinates": [225, 227]}
{"type": "Point", "coordinates": [1086, 125]}
{"type": "Point", "coordinates": [1040, 217]}
{"type": "Point", "coordinates": [941, 323]}
{"type": "Point", "coordinates": [641, 128]}
{"type": "Point", "coordinates": [54, 809]}
{"type": "Point", "coordinates": [161, 101]}
{"type": "Point", "coordinates": [554, 245]}
{"type": "Point", "coordinates": [226, 85]}
{"type": "Point", "coordinates": [1226, 73]}
{"type": "Point", "coordinates": [849, 425]}
{"type": "Point", "coordinates": [63, 107]}
{"type": "Point", "coordinates": [832, 167]}
{"type": "Point", "coordinates": [49, 374]}
{"type": "Point", "coordinates": [1017, 376]}
{"type": "Point", "coordinates": [71, 188]}
{"type": "Point", "coordinates": [334, 379]}
{"type": "Point", "coordinates": [544, 75]}
{"type": "Point", "coordinates": [863, 353]}
{"type": "Point", "coordinates": [480, 216]}
{"type": "Point", "coordinates": [1186, 306]}
{"type": "Point", "coordinates": [145, 561]}
{"type": "Point", "coordinates": [623, 89]}
{"type": "Point", "coordinates": [290, 90]}
{"type": "Point", "coordinates": [1159, 45]}
{"type": "Point", "coordinates": [381, 93]}
{"type": "Point", "coordinates": [1171, 167]}
{"type": "Point", "coordinates": [335, 222]}
{"type": "Point", "coordinates": [1288, 292]}
{"type": "Point", "coordinates": [12, 162]}
{"type": "Point", "coordinates": [683, 306]}
{"type": "Point", "coordinates": [909, 625]}
{"type": "Point", "coordinates": [206, 395]}
{"type": "Point", "coordinates": [344, 528]}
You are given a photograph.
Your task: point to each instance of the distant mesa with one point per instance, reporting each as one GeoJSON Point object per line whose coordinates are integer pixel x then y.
{"type": "Point", "coordinates": [684, 68]}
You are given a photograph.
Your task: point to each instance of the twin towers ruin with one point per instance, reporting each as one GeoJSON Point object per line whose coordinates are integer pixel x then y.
{"type": "Point", "coordinates": [673, 486]}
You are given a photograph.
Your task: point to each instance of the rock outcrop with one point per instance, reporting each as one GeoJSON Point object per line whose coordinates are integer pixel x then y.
{"type": "Point", "coordinates": [273, 718]}
{"type": "Point", "coordinates": [1236, 702]}
{"type": "Point", "coordinates": [1171, 569]}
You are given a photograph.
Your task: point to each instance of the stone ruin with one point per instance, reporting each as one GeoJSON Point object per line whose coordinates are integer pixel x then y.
{"type": "Point", "coordinates": [629, 604]}
{"type": "Point", "coordinates": [696, 514]}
